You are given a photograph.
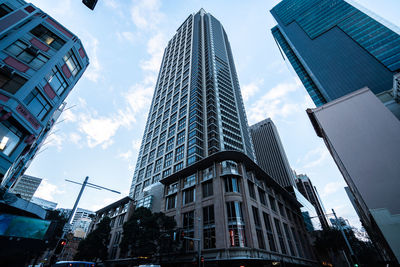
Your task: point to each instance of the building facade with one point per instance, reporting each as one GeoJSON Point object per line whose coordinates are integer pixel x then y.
{"type": "Point", "coordinates": [309, 191]}
{"type": "Point", "coordinates": [241, 215]}
{"type": "Point", "coordinates": [26, 186]}
{"type": "Point", "coordinates": [336, 39]}
{"type": "Point", "coordinates": [40, 63]}
{"type": "Point", "coordinates": [46, 204]}
{"type": "Point", "coordinates": [197, 108]}
{"type": "Point", "coordinates": [119, 212]}
{"type": "Point", "coordinates": [366, 149]}
{"type": "Point", "coordinates": [270, 154]}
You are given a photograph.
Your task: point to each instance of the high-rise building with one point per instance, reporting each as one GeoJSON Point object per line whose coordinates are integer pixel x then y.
{"type": "Point", "coordinates": [270, 154]}
{"type": "Point", "coordinates": [197, 108]}
{"type": "Point", "coordinates": [40, 63]}
{"type": "Point", "coordinates": [26, 186]}
{"type": "Point", "coordinates": [308, 190]}
{"type": "Point", "coordinates": [46, 204]}
{"type": "Point", "coordinates": [197, 144]}
{"type": "Point", "coordinates": [366, 149]}
{"type": "Point", "coordinates": [336, 48]}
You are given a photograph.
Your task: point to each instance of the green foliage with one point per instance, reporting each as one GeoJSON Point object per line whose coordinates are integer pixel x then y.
{"type": "Point", "coordinates": [94, 246]}
{"type": "Point", "coordinates": [147, 233]}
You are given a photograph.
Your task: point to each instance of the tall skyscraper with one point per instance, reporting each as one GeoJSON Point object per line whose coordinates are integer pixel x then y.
{"type": "Point", "coordinates": [40, 63]}
{"type": "Point", "coordinates": [197, 108]}
{"type": "Point", "coordinates": [270, 154]}
{"type": "Point", "coordinates": [26, 186]}
{"type": "Point", "coordinates": [197, 144]}
{"type": "Point", "coordinates": [336, 48]}
{"type": "Point", "coordinates": [308, 190]}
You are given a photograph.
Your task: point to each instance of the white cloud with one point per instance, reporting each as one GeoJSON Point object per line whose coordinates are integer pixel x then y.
{"type": "Point", "coordinates": [111, 3]}
{"type": "Point", "coordinates": [91, 44]}
{"type": "Point", "coordinates": [127, 36]}
{"type": "Point", "coordinates": [98, 130]}
{"type": "Point", "coordinates": [125, 155]}
{"type": "Point", "coordinates": [155, 48]}
{"type": "Point", "coordinates": [55, 140]}
{"type": "Point", "coordinates": [75, 138]}
{"type": "Point", "coordinates": [68, 116]}
{"type": "Point", "coordinates": [274, 103]}
{"type": "Point", "coordinates": [145, 14]}
{"type": "Point", "coordinates": [136, 144]}
{"type": "Point", "coordinates": [251, 89]}
{"type": "Point", "coordinates": [332, 187]}
{"type": "Point", "coordinates": [315, 157]}
{"type": "Point", "coordinates": [47, 191]}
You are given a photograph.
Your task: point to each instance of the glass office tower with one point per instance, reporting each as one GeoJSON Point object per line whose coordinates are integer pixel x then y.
{"type": "Point", "coordinates": [336, 48]}
{"type": "Point", "coordinates": [197, 108]}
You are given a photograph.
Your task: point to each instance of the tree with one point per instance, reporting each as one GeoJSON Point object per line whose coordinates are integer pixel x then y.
{"type": "Point", "coordinates": [94, 246]}
{"type": "Point", "coordinates": [147, 233]}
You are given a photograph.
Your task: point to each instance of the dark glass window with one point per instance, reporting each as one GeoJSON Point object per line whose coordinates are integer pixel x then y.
{"type": "Point", "coordinates": [232, 184]}
{"type": "Point", "coordinates": [72, 63]}
{"type": "Point", "coordinates": [188, 196]}
{"type": "Point", "coordinates": [261, 194]}
{"type": "Point", "coordinates": [280, 236]}
{"type": "Point", "coordinates": [207, 188]}
{"type": "Point", "coordinates": [48, 37]}
{"type": "Point", "coordinates": [251, 190]}
{"type": "Point", "coordinates": [37, 104]}
{"type": "Point", "coordinates": [27, 54]}
{"type": "Point", "coordinates": [4, 10]}
{"type": "Point", "coordinates": [272, 203]}
{"type": "Point", "coordinates": [171, 202]}
{"type": "Point", "coordinates": [270, 234]}
{"type": "Point", "coordinates": [10, 83]}
{"type": "Point", "coordinates": [56, 81]}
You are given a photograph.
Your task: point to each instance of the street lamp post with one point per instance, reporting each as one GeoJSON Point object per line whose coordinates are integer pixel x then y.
{"type": "Point", "coordinates": [71, 216]}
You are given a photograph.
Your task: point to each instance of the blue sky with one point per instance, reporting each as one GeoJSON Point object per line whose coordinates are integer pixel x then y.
{"type": "Point", "coordinates": [100, 135]}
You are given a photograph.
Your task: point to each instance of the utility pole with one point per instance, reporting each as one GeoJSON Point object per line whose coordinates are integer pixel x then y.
{"type": "Point", "coordinates": [352, 256]}
{"type": "Point", "coordinates": [71, 216]}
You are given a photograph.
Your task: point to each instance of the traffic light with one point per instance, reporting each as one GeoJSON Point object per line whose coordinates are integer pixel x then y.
{"type": "Point", "coordinates": [182, 235]}
{"type": "Point", "coordinates": [60, 245]}
{"type": "Point", "coordinates": [355, 265]}
{"type": "Point", "coordinates": [90, 3]}
{"type": "Point", "coordinates": [202, 259]}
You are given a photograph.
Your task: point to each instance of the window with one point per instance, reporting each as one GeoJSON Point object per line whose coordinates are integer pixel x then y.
{"type": "Point", "coordinates": [188, 226]}
{"type": "Point", "coordinates": [189, 181]}
{"type": "Point", "coordinates": [156, 178]}
{"type": "Point", "coordinates": [209, 237]}
{"type": "Point", "coordinates": [160, 150]}
{"type": "Point", "coordinates": [179, 152]}
{"type": "Point", "coordinates": [56, 81]}
{"type": "Point", "coordinates": [10, 83]}
{"type": "Point", "coordinates": [209, 227]}
{"type": "Point", "coordinates": [232, 184]}
{"type": "Point", "coordinates": [168, 159]}
{"type": "Point", "coordinates": [270, 234]}
{"type": "Point", "coordinates": [280, 236]}
{"type": "Point", "coordinates": [181, 123]}
{"type": "Point", "coordinates": [261, 194]}
{"type": "Point", "coordinates": [207, 188]}
{"type": "Point", "coordinates": [178, 166]}
{"type": "Point", "coordinates": [259, 232]}
{"type": "Point", "coordinates": [170, 144]}
{"type": "Point", "coordinates": [72, 63]}
{"type": "Point", "coordinates": [281, 209]}
{"type": "Point", "coordinates": [4, 10]}
{"type": "Point", "coordinates": [272, 203]}
{"type": "Point", "coordinates": [148, 170]}
{"type": "Point", "coordinates": [167, 172]}
{"type": "Point", "coordinates": [251, 190]}
{"type": "Point", "coordinates": [37, 104]}
{"type": "Point", "coordinates": [180, 138]}
{"type": "Point", "coordinates": [170, 202]}
{"type": "Point", "coordinates": [289, 239]}
{"type": "Point", "coordinates": [151, 155]}
{"type": "Point", "coordinates": [27, 54]}
{"type": "Point", "coordinates": [48, 37]}
{"type": "Point", "coordinates": [171, 131]}
{"type": "Point", "coordinates": [157, 165]}
{"type": "Point", "coordinates": [9, 137]}
{"type": "Point", "coordinates": [172, 188]}
{"type": "Point", "coordinates": [188, 196]}
{"type": "Point", "coordinates": [234, 209]}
